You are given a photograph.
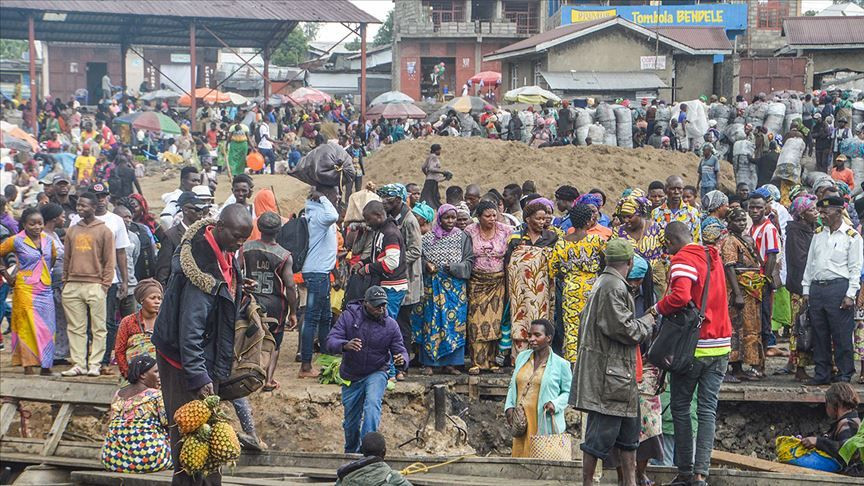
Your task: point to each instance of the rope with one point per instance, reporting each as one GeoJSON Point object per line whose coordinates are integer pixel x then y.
{"type": "Point", "coordinates": [419, 467]}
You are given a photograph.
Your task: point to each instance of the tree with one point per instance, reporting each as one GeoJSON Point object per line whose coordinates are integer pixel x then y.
{"type": "Point", "coordinates": [310, 30]}
{"type": "Point", "coordinates": [354, 45]}
{"type": "Point", "coordinates": [291, 51]}
{"type": "Point", "coordinates": [860, 3]}
{"type": "Point", "coordinates": [12, 49]}
{"type": "Point", "coordinates": [810, 13]}
{"type": "Point", "coordinates": [384, 35]}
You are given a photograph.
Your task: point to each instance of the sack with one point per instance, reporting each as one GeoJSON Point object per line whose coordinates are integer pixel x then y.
{"type": "Point", "coordinates": [550, 447]}
{"type": "Point", "coordinates": [253, 349]}
{"type": "Point", "coordinates": [674, 347]}
{"type": "Point", "coordinates": [294, 237]}
{"type": "Point", "coordinates": [790, 451]}
{"type": "Point", "coordinates": [324, 166]}
{"type": "Point", "coordinates": [803, 331]}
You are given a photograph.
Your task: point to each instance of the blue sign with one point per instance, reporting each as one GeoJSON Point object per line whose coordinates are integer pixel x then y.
{"type": "Point", "coordinates": [728, 16]}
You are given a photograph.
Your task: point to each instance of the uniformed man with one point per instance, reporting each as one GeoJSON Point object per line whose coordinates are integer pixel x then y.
{"type": "Point", "coordinates": [831, 282]}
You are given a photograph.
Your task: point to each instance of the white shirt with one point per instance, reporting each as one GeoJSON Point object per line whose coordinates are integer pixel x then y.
{"type": "Point", "coordinates": [264, 133]}
{"type": "Point", "coordinates": [171, 209]}
{"type": "Point", "coordinates": [118, 228]}
{"type": "Point", "coordinates": [833, 256]}
{"type": "Point", "coordinates": [106, 83]}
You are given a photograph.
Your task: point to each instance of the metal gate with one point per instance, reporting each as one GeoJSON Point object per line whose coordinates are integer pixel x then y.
{"type": "Point", "coordinates": [769, 74]}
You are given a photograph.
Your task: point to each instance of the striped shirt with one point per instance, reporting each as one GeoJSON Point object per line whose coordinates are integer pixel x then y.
{"type": "Point", "coordinates": [767, 239]}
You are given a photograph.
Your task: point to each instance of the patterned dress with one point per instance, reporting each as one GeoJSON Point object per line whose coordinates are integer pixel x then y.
{"type": "Point", "coordinates": [486, 294]}
{"type": "Point", "coordinates": [688, 215]}
{"type": "Point", "coordinates": [650, 247]}
{"type": "Point", "coordinates": [578, 263]}
{"type": "Point", "coordinates": [746, 323]}
{"type": "Point", "coordinates": [531, 291]}
{"type": "Point", "coordinates": [137, 439]}
{"type": "Point", "coordinates": [33, 324]}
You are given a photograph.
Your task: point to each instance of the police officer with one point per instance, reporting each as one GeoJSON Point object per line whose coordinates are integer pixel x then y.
{"type": "Point", "coordinates": [831, 283]}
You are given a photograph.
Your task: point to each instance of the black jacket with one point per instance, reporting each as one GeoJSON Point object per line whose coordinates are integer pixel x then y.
{"type": "Point", "coordinates": [169, 243]}
{"type": "Point", "coordinates": [195, 325]}
{"type": "Point", "coordinates": [145, 267]}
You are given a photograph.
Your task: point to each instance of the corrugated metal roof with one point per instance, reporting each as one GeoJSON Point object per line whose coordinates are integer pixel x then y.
{"type": "Point", "coordinates": [550, 35]}
{"type": "Point", "coordinates": [821, 31]}
{"type": "Point", "coordinates": [707, 38]}
{"type": "Point", "coordinates": [602, 81]}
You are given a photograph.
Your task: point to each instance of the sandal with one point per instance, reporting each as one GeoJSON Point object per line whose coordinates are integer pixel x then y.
{"type": "Point", "coordinates": [473, 371]}
{"type": "Point", "coordinates": [730, 378]}
{"type": "Point", "coordinates": [645, 482]}
{"type": "Point", "coordinates": [269, 388]}
{"type": "Point", "coordinates": [400, 376]}
{"type": "Point", "coordinates": [782, 371]}
{"type": "Point", "coordinates": [753, 375]}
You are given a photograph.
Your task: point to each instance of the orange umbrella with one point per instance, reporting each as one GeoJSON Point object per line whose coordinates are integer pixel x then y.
{"type": "Point", "coordinates": [208, 95]}
{"type": "Point", "coordinates": [14, 131]}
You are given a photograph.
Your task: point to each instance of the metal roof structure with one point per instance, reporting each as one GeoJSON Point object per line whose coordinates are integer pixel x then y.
{"type": "Point", "coordinates": [824, 32]}
{"type": "Point", "coordinates": [240, 23]}
{"type": "Point", "coordinates": [602, 81]}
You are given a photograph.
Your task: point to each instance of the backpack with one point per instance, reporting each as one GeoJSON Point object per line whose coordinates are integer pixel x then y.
{"type": "Point", "coordinates": [253, 349]}
{"type": "Point", "coordinates": [145, 267]}
{"type": "Point", "coordinates": [294, 237]}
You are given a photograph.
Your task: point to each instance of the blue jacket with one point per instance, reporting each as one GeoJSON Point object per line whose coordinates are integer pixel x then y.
{"type": "Point", "coordinates": [381, 339]}
{"type": "Point", "coordinates": [322, 217]}
{"type": "Point", "coordinates": [554, 387]}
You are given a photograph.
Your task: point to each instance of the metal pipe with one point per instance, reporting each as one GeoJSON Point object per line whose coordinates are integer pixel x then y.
{"type": "Point", "coordinates": [31, 34]}
{"type": "Point", "coordinates": [266, 57]}
{"type": "Point", "coordinates": [363, 99]}
{"type": "Point", "coordinates": [193, 104]}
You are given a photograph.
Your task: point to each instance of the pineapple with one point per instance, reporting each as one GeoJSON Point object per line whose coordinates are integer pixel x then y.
{"type": "Point", "coordinates": [194, 414]}
{"type": "Point", "coordinates": [224, 445]}
{"type": "Point", "coordinates": [193, 454]}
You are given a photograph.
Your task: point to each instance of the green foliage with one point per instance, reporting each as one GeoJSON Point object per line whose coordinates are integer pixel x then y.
{"type": "Point", "coordinates": [810, 13]}
{"type": "Point", "coordinates": [860, 3]}
{"type": "Point", "coordinates": [385, 33]}
{"type": "Point", "coordinates": [12, 49]}
{"type": "Point", "coordinates": [354, 45]}
{"type": "Point", "coordinates": [310, 30]}
{"type": "Point", "coordinates": [292, 50]}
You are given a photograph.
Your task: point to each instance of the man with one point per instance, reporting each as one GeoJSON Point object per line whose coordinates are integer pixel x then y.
{"type": "Point", "coordinates": [189, 178]}
{"type": "Point", "coordinates": [88, 272]}
{"type": "Point", "coordinates": [371, 469]}
{"type": "Point", "coordinates": [265, 146]}
{"type": "Point", "coordinates": [61, 196]}
{"type": "Point", "coordinates": [409, 227]}
{"type": "Point", "coordinates": [830, 284]}
{"type": "Point", "coordinates": [126, 303]}
{"type": "Point", "coordinates": [120, 286]}
{"type": "Point", "coordinates": [743, 191]}
{"type": "Point", "coordinates": [367, 338]}
{"type": "Point", "coordinates": [841, 133]}
{"type": "Point", "coordinates": [194, 331]}
{"type": "Point", "coordinates": [565, 198]}
{"type": "Point", "coordinates": [241, 191]}
{"type": "Point", "coordinates": [656, 138]}
{"type": "Point", "coordinates": [269, 265]}
{"type": "Point", "coordinates": [688, 276]}
{"type": "Point", "coordinates": [123, 181]}
{"type": "Point", "coordinates": [192, 208]}
{"type": "Point", "coordinates": [565, 121]}
{"type": "Point", "coordinates": [320, 260]}
{"type": "Point", "coordinates": [767, 240]}
{"type": "Point", "coordinates": [454, 195]}
{"type": "Point", "coordinates": [434, 175]}
{"type": "Point", "coordinates": [106, 87]}
{"type": "Point", "coordinates": [512, 194]}
{"type": "Point", "coordinates": [822, 133]}
{"type": "Point", "coordinates": [839, 172]}
{"type": "Point", "coordinates": [386, 263]}
{"type": "Point", "coordinates": [675, 209]}
{"type": "Point", "coordinates": [413, 193]}
{"type": "Point", "coordinates": [605, 377]}
{"type": "Point", "coordinates": [472, 197]}
{"type": "Point", "coordinates": [656, 194]}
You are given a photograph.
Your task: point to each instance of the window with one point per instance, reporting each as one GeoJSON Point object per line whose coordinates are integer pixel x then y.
{"type": "Point", "coordinates": [514, 75]}
{"type": "Point", "coordinates": [524, 14]}
{"type": "Point", "coordinates": [537, 76]}
{"type": "Point", "coordinates": [445, 11]}
{"type": "Point", "coordinates": [770, 13]}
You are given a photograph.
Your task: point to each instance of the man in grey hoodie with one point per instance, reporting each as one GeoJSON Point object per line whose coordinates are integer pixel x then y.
{"type": "Point", "coordinates": [371, 470]}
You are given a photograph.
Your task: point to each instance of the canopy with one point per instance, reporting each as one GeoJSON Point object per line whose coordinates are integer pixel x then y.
{"type": "Point", "coordinates": [467, 104]}
{"type": "Point", "coordinates": [391, 97]}
{"type": "Point", "coordinates": [309, 96]}
{"type": "Point", "coordinates": [208, 95]}
{"type": "Point", "coordinates": [395, 111]}
{"type": "Point", "coordinates": [488, 78]}
{"type": "Point", "coordinates": [150, 120]}
{"type": "Point", "coordinates": [15, 137]}
{"type": "Point", "coordinates": [160, 94]}
{"type": "Point", "coordinates": [237, 99]}
{"type": "Point", "coordinates": [534, 95]}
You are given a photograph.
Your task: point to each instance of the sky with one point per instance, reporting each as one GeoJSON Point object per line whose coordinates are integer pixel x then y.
{"type": "Point", "coordinates": [376, 8]}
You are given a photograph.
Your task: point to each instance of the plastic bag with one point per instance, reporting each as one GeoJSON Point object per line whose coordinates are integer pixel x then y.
{"type": "Point", "coordinates": [789, 162]}
{"type": "Point", "coordinates": [744, 147]}
{"type": "Point", "coordinates": [597, 133]}
{"type": "Point", "coordinates": [790, 451]}
{"type": "Point", "coordinates": [582, 133]}
{"type": "Point", "coordinates": [623, 127]}
{"type": "Point", "coordinates": [735, 132]}
{"type": "Point", "coordinates": [325, 165]}
{"type": "Point", "coordinates": [583, 118]}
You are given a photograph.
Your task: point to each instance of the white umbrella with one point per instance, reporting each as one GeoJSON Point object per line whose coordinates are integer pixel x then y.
{"type": "Point", "coordinates": [391, 97]}
{"type": "Point", "coordinates": [238, 99]}
{"type": "Point", "coordinates": [530, 94]}
{"type": "Point", "coordinates": [162, 94]}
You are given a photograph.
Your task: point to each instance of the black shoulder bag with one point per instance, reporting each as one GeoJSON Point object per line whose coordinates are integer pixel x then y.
{"type": "Point", "coordinates": [674, 345]}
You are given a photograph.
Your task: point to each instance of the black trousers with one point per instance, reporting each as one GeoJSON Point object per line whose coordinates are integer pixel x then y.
{"type": "Point", "coordinates": [404, 321]}
{"type": "Point", "coordinates": [430, 195]}
{"type": "Point", "coordinates": [831, 324]}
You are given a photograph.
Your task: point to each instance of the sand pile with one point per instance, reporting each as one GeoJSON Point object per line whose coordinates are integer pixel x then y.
{"type": "Point", "coordinates": [496, 163]}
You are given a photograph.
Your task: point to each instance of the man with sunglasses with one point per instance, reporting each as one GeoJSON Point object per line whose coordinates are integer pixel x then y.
{"type": "Point", "coordinates": [367, 337]}
{"type": "Point", "coordinates": [192, 208]}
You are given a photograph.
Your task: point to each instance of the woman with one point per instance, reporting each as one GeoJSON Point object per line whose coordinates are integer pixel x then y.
{"type": "Point", "coordinates": [238, 148]}
{"type": "Point", "coordinates": [578, 259]}
{"type": "Point", "coordinates": [463, 216]}
{"type": "Point", "coordinates": [527, 265]}
{"type": "Point", "coordinates": [486, 287]}
{"type": "Point", "coordinates": [799, 233]}
{"type": "Point", "coordinates": [438, 323]}
{"type": "Point", "coordinates": [134, 331]}
{"type": "Point", "coordinates": [54, 217]}
{"type": "Point", "coordinates": [185, 143]}
{"type": "Point", "coordinates": [263, 202]}
{"type": "Point", "coordinates": [141, 213]}
{"type": "Point", "coordinates": [540, 385]}
{"type": "Point", "coordinates": [646, 236]}
{"type": "Point", "coordinates": [32, 323]}
{"type": "Point", "coordinates": [744, 283]}
{"type": "Point", "coordinates": [716, 205]}
{"type": "Point", "coordinates": [425, 216]}
{"type": "Point", "coordinates": [137, 439]}
{"type": "Point", "coordinates": [595, 202]}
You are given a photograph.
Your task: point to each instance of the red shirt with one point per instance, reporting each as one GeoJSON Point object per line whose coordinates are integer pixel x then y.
{"type": "Point", "coordinates": [767, 239]}
{"type": "Point", "coordinates": [211, 138]}
{"type": "Point", "coordinates": [844, 175]}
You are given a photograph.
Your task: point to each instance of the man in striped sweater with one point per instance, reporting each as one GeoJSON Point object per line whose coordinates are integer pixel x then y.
{"type": "Point", "coordinates": [687, 276]}
{"type": "Point", "coordinates": [386, 265]}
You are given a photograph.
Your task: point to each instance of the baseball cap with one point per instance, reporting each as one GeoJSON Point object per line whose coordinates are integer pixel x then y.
{"type": "Point", "coordinates": [375, 296]}
{"type": "Point", "coordinates": [46, 181]}
{"type": "Point", "coordinates": [99, 188]}
{"type": "Point", "coordinates": [203, 192]}
{"type": "Point", "coordinates": [189, 197]}
{"type": "Point", "coordinates": [61, 178]}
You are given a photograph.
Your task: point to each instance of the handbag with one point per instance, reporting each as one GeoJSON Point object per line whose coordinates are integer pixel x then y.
{"type": "Point", "coordinates": [519, 421]}
{"type": "Point", "coordinates": [550, 447]}
{"type": "Point", "coordinates": [803, 330]}
{"type": "Point", "coordinates": [674, 346]}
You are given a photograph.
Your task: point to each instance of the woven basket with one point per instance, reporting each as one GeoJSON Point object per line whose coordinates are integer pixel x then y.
{"type": "Point", "coordinates": [551, 447]}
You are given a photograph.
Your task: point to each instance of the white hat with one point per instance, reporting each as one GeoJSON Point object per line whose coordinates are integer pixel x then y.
{"type": "Point", "coordinates": [203, 192]}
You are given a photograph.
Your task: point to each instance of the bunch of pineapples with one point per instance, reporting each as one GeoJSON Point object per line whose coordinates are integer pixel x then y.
{"type": "Point", "coordinates": [209, 441]}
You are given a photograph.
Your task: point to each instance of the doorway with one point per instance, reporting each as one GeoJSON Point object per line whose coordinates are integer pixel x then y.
{"type": "Point", "coordinates": [95, 71]}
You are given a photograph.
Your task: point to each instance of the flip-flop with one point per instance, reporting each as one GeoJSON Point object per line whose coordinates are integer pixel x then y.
{"type": "Point", "coordinates": [269, 388]}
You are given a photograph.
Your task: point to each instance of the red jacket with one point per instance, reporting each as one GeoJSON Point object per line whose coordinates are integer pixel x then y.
{"type": "Point", "coordinates": [686, 280]}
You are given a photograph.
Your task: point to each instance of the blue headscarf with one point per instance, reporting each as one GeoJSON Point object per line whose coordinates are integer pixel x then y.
{"type": "Point", "coordinates": [393, 190]}
{"type": "Point", "coordinates": [424, 211]}
{"type": "Point", "coordinates": [640, 268]}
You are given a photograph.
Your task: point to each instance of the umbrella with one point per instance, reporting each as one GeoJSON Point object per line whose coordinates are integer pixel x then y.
{"type": "Point", "coordinates": [15, 137]}
{"type": "Point", "coordinates": [534, 95]}
{"type": "Point", "coordinates": [209, 95]}
{"type": "Point", "coordinates": [150, 120]}
{"type": "Point", "coordinates": [467, 104]}
{"type": "Point", "coordinates": [391, 97]}
{"type": "Point", "coordinates": [396, 110]}
{"type": "Point", "coordinates": [160, 94]}
{"type": "Point", "coordinates": [488, 78]}
{"type": "Point", "coordinates": [308, 96]}
{"type": "Point", "coordinates": [237, 99]}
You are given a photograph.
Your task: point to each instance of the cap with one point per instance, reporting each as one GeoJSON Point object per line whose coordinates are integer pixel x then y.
{"type": "Point", "coordinates": [203, 192]}
{"type": "Point", "coordinates": [61, 178]}
{"type": "Point", "coordinates": [189, 197]}
{"type": "Point", "coordinates": [842, 157]}
{"type": "Point", "coordinates": [46, 181]}
{"type": "Point", "coordinates": [375, 296]}
{"type": "Point", "coordinates": [831, 202]}
{"type": "Point", "coordinates": [619, 250]}
{"type": "Point", "coordinates": [99, 188]}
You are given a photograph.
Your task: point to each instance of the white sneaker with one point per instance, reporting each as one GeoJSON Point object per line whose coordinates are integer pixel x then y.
{"type": "Point", "coordinates": [74, 371]}
{"type": "Point", "coordinates": [94, 371]}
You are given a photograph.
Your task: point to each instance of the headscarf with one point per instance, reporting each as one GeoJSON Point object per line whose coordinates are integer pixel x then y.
{"type": "Point", "coordinates": [736, 213]}
{"type": "Point", "coordinates": [437, 229]}
{"type": "Point", "coordinates": [640, 268]}
{"type": "Point", "coordinates": [264, 202]}
{"type": "Point", "coordinates": [393, 190]}
{"type": "Point", "coordinates": [633, 191]}
{"type": "Point", "coordinates": [630, 205]}
{"type": "Point", "coordinates": [146, 218]}
{"type": "Point", "coordinates": [843, 189]}
{"type": "Point", "coordinates": [796, 191]}
{"type": "Point", "coordinates": [823, 183]}
{"type": "Point", "coordinates": [543, 201]}
{"type": "Point", "coordinates": [592, 199]}
{"type": "Point", "coordinates": [145, 288]}
{"type": "Point", "coordinates": [138, 366]}
{"type": "Point", "coordinates": [713, 200]}
{"type": "Point", "coordinates": [424, 211]}
{"type": "Point", "coordinates": [462, 208]}
{"type": "Point", "coordinates": [802, 204]}
{"type": "Point", "coordinates": [764, 193]}
{"type": "Point", "coordinates": [712, 230]}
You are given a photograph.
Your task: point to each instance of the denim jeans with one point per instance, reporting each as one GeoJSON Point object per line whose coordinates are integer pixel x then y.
{"type": "Point", "coordinates": [394, 303]}
{"type": "Point", "coordinates": [362, 403]}
{"type": "Point", "coordinates": [111, 308]}
{"type": "Point", "coordinates": [318, 313]}
{"type": "Point", "coordinates": [708, 373]}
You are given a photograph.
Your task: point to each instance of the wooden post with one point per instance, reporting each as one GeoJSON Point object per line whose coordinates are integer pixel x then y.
{"type": "Point", "coordinates": [56, 432]}
{"type": "Point", "coordinates": [124, 49]}
{"type": "Point", "coordinates": [440, 396]}
{"type": "Point", "coordinates": [193, 106]}
{"type": "Point", "coordinates": [31, 28]}
{"type": "Point", "coordinates": [363, 99]}
{"type": "Point", "coordinates": [265, 55]}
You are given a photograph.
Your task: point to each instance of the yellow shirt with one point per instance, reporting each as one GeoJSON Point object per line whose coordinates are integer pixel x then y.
{"type": "Point", "coordinates": [84, 164]}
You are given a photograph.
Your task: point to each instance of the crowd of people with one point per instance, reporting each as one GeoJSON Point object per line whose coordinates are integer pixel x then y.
{"type": "Point", "coordinates": [398, 280]}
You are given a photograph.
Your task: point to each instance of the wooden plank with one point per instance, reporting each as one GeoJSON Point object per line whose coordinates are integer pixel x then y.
{"type": "Point", "coordinates": [110, 479]}
{"type": "Point", "coordinates": [51, 390]}
{"type": "Point", "coordinates": [24, 458]}
{"type": "Point", "coordinates": [8, 412]}
{"type": "Point", "coordinates": [748, 463]}
{"type": "Point", "coordinates": [57, 428]}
